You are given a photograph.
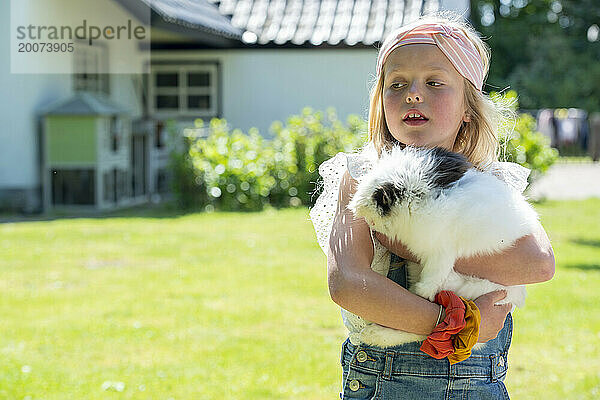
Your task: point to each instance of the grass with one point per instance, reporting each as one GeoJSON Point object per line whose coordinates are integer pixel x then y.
{"type": "Point", "coordinates": [556, 345]}
{"type": "Point", "coordinates": [159, 305]}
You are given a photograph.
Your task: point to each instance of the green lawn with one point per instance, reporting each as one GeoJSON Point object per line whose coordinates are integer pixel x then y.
{"type": "Point", "coordinates": [159, 305]}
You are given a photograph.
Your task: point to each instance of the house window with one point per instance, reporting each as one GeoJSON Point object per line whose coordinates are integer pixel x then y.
{"type": "Point", "coordinates": [90, 67]}
{"type": "Point", "coordinates": [121, 184]}
{"type": "Point", "coordinates": [162, 180]}
{"type": "Point", "coordinates": [115, 132]}
{"type": "Point", "coordinates": [73, 186]}
{"type": "Point", "coordinates": [187, 90]}
{"type": "Point", "coordinates": [115, 185]}
{"type": "Point", "coordinates": [159, 135]}
{"type": "Point", "coordinates": [109, 186]}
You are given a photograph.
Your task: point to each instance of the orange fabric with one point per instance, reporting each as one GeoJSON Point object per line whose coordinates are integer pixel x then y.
{"type": "Point", "coordinates": [464, 340]}
{"type": "Point", "coordinates": [440, 343]}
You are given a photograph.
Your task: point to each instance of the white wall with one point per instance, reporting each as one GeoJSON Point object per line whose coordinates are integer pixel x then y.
{"type": "Point", "coordinates": [261, 86]}
{"type": "Point", "coordinates": [22, 95]}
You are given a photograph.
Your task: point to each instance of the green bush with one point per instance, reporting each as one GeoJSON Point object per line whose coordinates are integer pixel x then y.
{"type": "Point", "coordinates": [304, 143]}
{"type": "Point", "coordinates": [230, 170]}
{"type": "Point", "coordinates": [183, 182]}
{"type": "Point", "coordinates": [524, 145]}
{"type": "Point", "coordinates": [224, 169]}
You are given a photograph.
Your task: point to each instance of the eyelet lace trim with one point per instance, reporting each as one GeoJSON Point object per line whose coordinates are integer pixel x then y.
{"type": "Point", "coordinates": [512, 174]}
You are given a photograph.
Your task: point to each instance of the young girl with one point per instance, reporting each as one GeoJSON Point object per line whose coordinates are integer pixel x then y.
{"type": "Point", "coordinates": [428, 92]}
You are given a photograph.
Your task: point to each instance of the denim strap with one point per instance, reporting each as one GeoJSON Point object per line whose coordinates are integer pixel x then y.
{"type": "Point", "coordinates": [397, 271]}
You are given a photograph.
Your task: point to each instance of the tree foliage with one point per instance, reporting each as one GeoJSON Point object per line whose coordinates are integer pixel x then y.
{"type": "Point", "coordinates": [546, 50]}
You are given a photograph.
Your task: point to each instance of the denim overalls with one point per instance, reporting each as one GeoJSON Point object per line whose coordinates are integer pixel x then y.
{"type": "Point", "coordinates": [405, 372]}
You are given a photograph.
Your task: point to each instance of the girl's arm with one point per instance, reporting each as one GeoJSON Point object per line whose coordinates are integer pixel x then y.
{"type": "Point", "coordinates": [357, 288]}
{"type": "Point", "coordinates": [529, 260]}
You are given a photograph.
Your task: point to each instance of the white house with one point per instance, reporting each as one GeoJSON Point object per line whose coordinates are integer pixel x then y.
{"type": "Point", "coordinates": [249, 61]}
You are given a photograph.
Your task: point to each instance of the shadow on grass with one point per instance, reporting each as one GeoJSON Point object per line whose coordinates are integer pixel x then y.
{"type": "Point", "coordinates": [161, 210]}
{"type": "Point", "coordinates": [583, 267]}
{"type": "Point", "coordinates": [587, 242]}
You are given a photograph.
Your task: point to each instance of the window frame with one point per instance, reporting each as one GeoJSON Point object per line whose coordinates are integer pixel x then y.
{"type": "Point", "coordinates": [183, 90]}
{"type": "Point", "coordinates": [71, 178]}
{"type": "Point", "coordinates": [94, 61]}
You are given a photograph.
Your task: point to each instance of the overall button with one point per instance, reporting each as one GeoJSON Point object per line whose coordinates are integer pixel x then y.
{"type": "Point", "coordinates": [361, 356]}
{"type": "Point", "coordinates": [354, 385]}
{"type": "Point", "coordinates": [501, 361]}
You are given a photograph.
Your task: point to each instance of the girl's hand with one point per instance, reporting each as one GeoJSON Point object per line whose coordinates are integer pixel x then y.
{"type": "Point", "coordinates": [492, 316]}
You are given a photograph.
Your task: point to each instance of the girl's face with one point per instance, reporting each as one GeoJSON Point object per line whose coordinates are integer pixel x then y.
{"type": "Point", "coordinates": [419, 79]}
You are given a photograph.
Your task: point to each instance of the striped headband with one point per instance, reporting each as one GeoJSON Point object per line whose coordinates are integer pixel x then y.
{"type": "Point", "coordinates": [451, 41]}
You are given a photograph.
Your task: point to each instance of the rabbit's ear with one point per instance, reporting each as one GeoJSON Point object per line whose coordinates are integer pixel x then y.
{"type": "Point", "coordinates": [386, 196]}
{"type": "Point", "coordinates": [448, 167]}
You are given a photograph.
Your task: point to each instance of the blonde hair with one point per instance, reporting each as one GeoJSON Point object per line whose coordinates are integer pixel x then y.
{"type": "Point", "coordinates": [478, 139]}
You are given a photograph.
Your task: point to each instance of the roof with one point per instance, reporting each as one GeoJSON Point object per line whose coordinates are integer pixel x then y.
{"type": "Point", "coordinates": [195, 14]}
{"type": "Point", "coordinates": [317, 22]}
{"type": "Point", "coordinates": [84, 103]}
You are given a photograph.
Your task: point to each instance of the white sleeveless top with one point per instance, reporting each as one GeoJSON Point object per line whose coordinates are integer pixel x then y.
{"type": "Point", "coordinates": [358, 164]}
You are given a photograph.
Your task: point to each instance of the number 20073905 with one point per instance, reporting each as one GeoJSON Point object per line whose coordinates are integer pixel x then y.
{"type": "Point", "coordinates": [45, 47]}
